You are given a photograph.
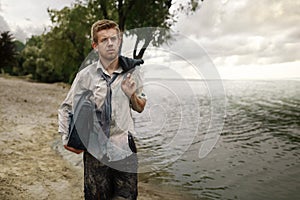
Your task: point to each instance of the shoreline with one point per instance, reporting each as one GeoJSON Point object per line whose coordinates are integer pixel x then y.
{"type": "Point", "coordinates": [31, 166]}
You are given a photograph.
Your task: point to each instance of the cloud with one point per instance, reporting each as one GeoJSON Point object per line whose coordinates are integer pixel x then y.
{"type": "Point", "coordinates": [3, 25]}
{"type": "Point", "coordinates": [20, 34]}
{"type": "Point", "coordinates": [30, 17]}
{"type": "Point", "coordinates": [246, 32]}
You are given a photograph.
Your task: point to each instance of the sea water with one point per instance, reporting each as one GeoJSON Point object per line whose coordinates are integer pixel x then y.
{"type": "Point", "coordinates": [257, 153]}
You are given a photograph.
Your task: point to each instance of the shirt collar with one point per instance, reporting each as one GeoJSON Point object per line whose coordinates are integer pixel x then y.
{"type": "Point", "coordinates": [100, 66]}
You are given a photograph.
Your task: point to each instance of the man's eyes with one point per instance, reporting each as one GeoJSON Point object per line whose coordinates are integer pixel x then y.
{"type": "Point", "coordinates": [112, 39]}
{"type": "Point", "coordinates": [103, 40]}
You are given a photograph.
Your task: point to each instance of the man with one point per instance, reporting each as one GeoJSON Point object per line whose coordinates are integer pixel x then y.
{"type": "Point", "coordinates": [115, 82]}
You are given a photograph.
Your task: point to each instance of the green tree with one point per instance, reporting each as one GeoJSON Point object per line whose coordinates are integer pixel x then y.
{"type": "Point", "coordinates": [68, 42]}
{"type": "Point", "coordinates": [19, 45]}
{"type": "Point", "coordinates": [30, 55]}
{"type": "Point", "coordinates": [36, 61]}
{"type": "Point", "coordinates": [8, 52]}
{"type": "Point", "coordinates": [132, 14]}
{"type": "Point", "coordinates": [17, 69]}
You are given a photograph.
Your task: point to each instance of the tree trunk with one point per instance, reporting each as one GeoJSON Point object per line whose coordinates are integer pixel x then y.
{"type": "Point", "coordinates": [142, 50]}
{"type": "Point", "coordinates": [103, 8]}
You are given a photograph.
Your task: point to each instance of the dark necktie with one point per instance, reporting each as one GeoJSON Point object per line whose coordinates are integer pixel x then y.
{"type": "Point", "coordinates": [106, 110]}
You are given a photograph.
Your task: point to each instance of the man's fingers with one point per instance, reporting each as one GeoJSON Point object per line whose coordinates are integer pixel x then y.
{"type": "Point", "coordinates": [125, 80]}
{"type": "Point", "coordinates": [131, 82]}
{"type": "Point", "coordinates": [78, 151]}
{"type": "Point", "coordinates": [128, 80]}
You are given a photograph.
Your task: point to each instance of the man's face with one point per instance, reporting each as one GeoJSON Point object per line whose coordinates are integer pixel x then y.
{"type": "Point", "coordinates": [108, 44]}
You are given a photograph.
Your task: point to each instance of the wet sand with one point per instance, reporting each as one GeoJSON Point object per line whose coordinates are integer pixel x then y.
{"type": "Point", "coordinates": [30, 166]}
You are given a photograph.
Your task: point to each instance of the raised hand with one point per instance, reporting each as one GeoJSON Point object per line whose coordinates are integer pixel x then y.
{"type": "Point", "coordinates": [128, 85]}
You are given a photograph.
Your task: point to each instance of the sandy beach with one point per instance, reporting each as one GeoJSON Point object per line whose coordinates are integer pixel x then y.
{"type": "Point", "coordinates": [30, 166]}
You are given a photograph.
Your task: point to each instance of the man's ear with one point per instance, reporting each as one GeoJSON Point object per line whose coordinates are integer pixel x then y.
{"type": "Point", "coordinates": [94, 45]}
{"type": "Point", "coordinates": [120, 39]}
{"type": "Point", "coordinates": [119, 43]}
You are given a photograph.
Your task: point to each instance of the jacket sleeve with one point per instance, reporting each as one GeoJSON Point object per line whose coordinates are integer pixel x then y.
{"type": "Point", "coordinates": [66, 108]}
{"type": "Point", "coordinates": [138, 75]}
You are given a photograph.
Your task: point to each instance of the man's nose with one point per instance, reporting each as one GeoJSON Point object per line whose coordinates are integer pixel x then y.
{"type": "Point", "coordinates": [110, 42]}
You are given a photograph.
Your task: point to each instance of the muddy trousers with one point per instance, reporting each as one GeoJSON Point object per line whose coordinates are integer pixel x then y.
{"type": "Point", "coordinates": [110, 180]}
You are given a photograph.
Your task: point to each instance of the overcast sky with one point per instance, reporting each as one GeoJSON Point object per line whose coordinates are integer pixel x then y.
{"type": "Point", "coordinates": [235, 33]}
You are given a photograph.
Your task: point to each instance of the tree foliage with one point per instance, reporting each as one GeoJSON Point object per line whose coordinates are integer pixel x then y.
{"type": "Point", "coordinates": [8, 52]}
{"type": "Point", "coordinates": [68, 41]}
{"type": "Point", "coordinates": [133, 14]}
{"type": "Point", "coordinates": [35, 61]}
{"type": "Point", "coordinates": [58, 54]}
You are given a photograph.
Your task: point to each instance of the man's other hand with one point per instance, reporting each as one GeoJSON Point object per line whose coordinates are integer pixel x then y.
{"type": "Point", "coordinates": [77, 151]}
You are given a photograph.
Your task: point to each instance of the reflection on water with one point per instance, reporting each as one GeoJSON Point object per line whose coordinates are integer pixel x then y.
{"type": "Point", "coordinates": [256, 157]}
